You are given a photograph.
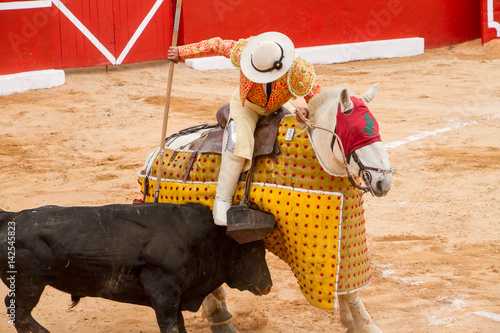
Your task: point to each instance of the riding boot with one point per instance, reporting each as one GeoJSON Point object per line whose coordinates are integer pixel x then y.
{"type": "Point", "coordinates": [229, 175]}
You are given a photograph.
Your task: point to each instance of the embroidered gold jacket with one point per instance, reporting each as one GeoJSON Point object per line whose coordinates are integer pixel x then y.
{"type": "Point", "coordinates": [297, 82]}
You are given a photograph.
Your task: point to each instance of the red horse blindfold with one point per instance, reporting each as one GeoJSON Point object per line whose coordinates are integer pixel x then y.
{"type": "Point", "coordinates": [357, 128]}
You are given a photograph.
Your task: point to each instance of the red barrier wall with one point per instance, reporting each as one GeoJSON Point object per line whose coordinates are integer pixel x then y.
{"type": "Point", "coordinates": [26, 40]}
{"type": "Point", "coordinates": [82, 33]}
{"type": "Point", "coordinates": [59, 35]}
{"type": "Point", "coordinates": [493, 10]}
{"type": "Point", "coordinates": [324, 22]}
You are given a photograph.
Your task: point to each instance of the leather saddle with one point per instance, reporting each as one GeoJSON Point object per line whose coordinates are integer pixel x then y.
{"type": "Point", "coordinates": [264, 135]}
{"type": "Point", "coordinates": [210, 141]}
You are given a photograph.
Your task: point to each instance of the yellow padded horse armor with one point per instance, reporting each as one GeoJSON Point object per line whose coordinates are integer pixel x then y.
{"type": "Point", "coordinates": [321, 227]}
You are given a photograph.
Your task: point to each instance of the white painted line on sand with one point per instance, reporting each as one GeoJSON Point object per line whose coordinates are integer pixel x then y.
{"type": "Point", "coordinates": [489, 315]}
{"type": "Point", "coordinates": [425, 134]}
{"type": "Point", "coordinates": [450, 321]}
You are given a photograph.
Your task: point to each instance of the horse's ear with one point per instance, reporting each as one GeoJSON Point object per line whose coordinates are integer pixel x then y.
{"type": "Point", "coordinates": [345, 101]}
{"type": "Point", "coordinates": [370, 94]}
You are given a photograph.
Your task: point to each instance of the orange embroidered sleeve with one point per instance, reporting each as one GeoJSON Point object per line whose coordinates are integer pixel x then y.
{"type": "Point", "coordinates": [316, 89]}
{"type": "Point", "coordinates": [301, 79]}
{"type": "Point", "coordinates": [212, 46]}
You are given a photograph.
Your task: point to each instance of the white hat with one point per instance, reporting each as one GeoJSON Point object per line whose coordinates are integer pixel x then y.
{"type": "Point", "coordinates": [267, 57]}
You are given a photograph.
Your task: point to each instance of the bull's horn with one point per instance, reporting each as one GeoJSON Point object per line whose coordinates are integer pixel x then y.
{"type": "Point", "coordinates": [345, 101]}
{"type": "Point", "coordinates": [370, 94]}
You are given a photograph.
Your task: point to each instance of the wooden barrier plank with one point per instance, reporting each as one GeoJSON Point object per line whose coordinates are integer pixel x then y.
{"type": "Point", "coordinates": [120, 24]}
{"type": "Point", "coordinates": [56, 36]}
{"type": "Point", "coordinates": [93, 26]}
{"type": "Point", "coordinates": [134, 14]}
{"type": "Point", "coordinates": [76, 7]}
{"type": "Point", "coordinates": [68, 53]}
{"type": "Point", "coordinates": [106, 25]}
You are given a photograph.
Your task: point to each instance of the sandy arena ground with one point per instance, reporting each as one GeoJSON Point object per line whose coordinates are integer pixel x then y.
{"type": "Point", "coordinates": [434, 239]}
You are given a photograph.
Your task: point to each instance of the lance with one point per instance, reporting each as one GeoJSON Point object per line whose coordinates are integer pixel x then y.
{"type": "Point", "coordinates": [161, 154]}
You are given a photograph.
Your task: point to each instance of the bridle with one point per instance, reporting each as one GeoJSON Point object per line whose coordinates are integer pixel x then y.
{"type": "Point", "coordinates": [364, 170]}
{"type": "Point", "coordinates": [364, 173]}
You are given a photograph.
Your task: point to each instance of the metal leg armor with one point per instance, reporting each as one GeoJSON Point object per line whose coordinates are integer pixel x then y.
{"type": "Point", "coordinates": [229, 175]}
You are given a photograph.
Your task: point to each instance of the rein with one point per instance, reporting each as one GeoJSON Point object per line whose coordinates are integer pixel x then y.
{"type": "Point", "coordinates": [363, 169]}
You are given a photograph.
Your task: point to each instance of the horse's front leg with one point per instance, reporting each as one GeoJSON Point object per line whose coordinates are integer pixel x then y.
{"type": "Point", "coordinates": [215, 310]}
{"type": "Point", "coordinates": [361, 318]}
{"type": "Point", "coordinates": [346, 316]}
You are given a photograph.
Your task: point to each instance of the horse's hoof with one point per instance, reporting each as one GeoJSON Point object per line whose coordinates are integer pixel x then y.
{"type": "Point", "coordinates": [350, 327]}
{"type": "Point", "coordinates": [220, 315]}
{"type": "Point", "coordinates": [372, 328]}
{"type": "Point", "coordinates": [223, 328]}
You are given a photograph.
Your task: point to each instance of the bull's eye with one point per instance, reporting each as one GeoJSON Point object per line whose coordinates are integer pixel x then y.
{"type": "Point", "coordinates": [255, 252]}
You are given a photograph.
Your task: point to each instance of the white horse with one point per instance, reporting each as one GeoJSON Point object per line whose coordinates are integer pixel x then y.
{"type": "Point", "coordinates": [370, 162]}
{"type": "Point", "coordinates": [346, 142]}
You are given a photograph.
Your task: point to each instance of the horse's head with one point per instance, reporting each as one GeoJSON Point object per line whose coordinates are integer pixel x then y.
{"type": "Point", "coordinates": [335, 110]}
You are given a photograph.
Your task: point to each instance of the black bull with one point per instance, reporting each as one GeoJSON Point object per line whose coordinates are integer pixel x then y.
{"type": "Point", "coordinates": [168, 257]}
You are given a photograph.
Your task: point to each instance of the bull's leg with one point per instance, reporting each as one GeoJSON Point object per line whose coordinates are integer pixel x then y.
{"type": "Point", "coordinates": [362, 320]}
{"type": "Point", "coordinates": [166, 309]}
{"type": "Point", "coordinates": [165, 298]}
{"type": "Point", "coordinates": [215, 310]}
{"type": "Point", "coordinates": [180, 322]}
{"type": "Point", "coordinates": [346, 316]}
{"type": "Point", "coordinates": [25, 299]}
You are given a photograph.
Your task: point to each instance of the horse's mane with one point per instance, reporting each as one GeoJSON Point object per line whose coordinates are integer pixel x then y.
{"type": "Point", "coordinates": [324, 99]}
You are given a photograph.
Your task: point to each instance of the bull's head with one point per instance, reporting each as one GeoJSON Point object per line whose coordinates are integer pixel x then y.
{"type": "Point", "coordinates": [248, 269]}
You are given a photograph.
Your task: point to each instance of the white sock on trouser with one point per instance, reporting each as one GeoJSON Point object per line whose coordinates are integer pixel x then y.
{"type": "Point", "coordinates": [229, 175]}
